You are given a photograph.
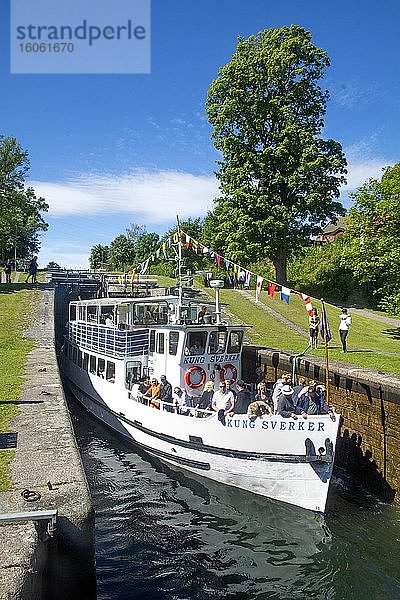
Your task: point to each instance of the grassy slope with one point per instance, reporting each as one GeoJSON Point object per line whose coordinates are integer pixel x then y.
{"type": "Point", "coordinates": [370, 343]}
{"type": "Point", "coordinates": [15, 307]}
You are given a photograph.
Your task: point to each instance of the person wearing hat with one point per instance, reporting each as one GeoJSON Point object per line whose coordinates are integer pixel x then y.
{"type": "Point", "coordinates": [256, 409]}
{"type": "Point", "coordinates": [312, 402]}
{"type": "Point", "coordinates": [345, 322]}
{"type": "Point", "coordinates": [285, 407]}
{"type": "Point", "coordinates": [286, 379]}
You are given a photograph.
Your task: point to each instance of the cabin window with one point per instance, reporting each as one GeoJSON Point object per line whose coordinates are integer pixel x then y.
{"type": "Point", "coordinates": [150, 314]}
{"type": "Point", "coordinates": [72, 312]}
{"type": "Point", "coordinates": [85, 361]}
{"type": "Point", "coordinates": [132, 374]}
{"type": "Point", "coordinates": [110, 372]}
{"type": "Point", "coordinates": [235, 342]}
{"type": "Point", "coordinates": [107, 315]}
{"type": "Point", "coordinates": [79, 362]}
{"type": "Point", "coordinates": [217, 342]}
{"type": "Point", "coordinates": [195, 342]}
{"type": "Point", "coordinates": [173, 342]}
{"type": "Point", "coordinates": [101, 367]}
{"type": "Point", "coordinates": [160, 343]}
{"type": "Point", "coordinates": [152, 341]}
{"type": "Point", "coordinates": [92, 364]}
{"type": "Point", "coordinates": [82, 312]}
{"type": "Point", "coordinates": [92, 314]}
{"type": "Point", "coordinates": [75, 355]}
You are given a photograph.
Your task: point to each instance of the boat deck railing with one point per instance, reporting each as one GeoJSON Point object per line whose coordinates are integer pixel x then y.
{"type": "Point", "coordinates": [109, 340]}
{"type": "Point", "coordinates": [172, 408]}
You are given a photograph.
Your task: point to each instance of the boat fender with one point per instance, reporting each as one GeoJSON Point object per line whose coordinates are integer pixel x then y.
{"type": "Point", "coordinates": [228, 367]}
{"type": "Point", "coordinates": [188, 374]}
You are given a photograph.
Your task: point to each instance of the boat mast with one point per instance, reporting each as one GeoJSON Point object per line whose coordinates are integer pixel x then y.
{"type": "Point", "coordinates": [179, 268]}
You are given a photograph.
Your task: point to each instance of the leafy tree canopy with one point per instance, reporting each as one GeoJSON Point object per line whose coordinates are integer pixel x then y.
{"type": "Point", "coordinates": [99, 256]}
{"type": "Point", "coordinates": [372, 248]}
{"type": "Point", "coordinates": [278, 177]}
{"type": "Point", "coordinates": [20, 209]}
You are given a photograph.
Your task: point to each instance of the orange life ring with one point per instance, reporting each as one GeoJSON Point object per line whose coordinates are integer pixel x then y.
{"type": "Point", "coordinates": [195, 369]}
{"type": "Point", "coordinates": [232, 369]}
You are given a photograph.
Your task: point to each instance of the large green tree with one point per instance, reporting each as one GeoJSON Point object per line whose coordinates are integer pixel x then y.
{"type": "Point", "coordinates": [278, 177]}
{"type": "Point", "coordinates": [372, 248]}
{"type": "Point", "coordinates": [21, 220]}
{"type": "Point", "coordinates": [99, 256]}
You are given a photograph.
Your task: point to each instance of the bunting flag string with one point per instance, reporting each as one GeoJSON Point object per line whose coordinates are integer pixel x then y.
{"type": "Point", "coordinates": [235, 273]}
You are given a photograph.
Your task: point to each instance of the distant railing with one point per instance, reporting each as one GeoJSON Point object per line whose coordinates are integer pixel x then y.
{"type": "Point", "coordinates": [108, 340]}
{"type": "Point", "coordinates": [171, 407]}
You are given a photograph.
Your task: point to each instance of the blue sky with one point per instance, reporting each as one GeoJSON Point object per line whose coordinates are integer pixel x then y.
{"type": "Point", "coordinates": [110, 150]}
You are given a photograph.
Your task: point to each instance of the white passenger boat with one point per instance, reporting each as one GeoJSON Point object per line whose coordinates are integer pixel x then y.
{"type": "Point", "coordinates": [281, 458]}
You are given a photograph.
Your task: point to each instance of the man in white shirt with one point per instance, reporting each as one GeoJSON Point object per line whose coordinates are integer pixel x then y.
{"type": "Point", "coordinates": [223, 401]}
{"type": "Point", "coordinates": [286, 379]}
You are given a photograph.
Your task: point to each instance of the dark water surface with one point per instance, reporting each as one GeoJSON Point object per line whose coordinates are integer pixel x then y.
{"type": "Point", "coordinates": [162, 534]}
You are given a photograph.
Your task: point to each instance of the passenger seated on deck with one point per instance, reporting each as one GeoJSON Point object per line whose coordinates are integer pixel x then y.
{"type": "Point", "coordinates": [242, 400]}
{"type": "Point", "coordinates": [284, 380]}
{"type": "Point", "coordinates": [312, 402]}
{"type": "Point", "coordinates": [144, 385]}
{"type": "Point", "coordinates": [285, 406]}
{"type": "Point", "coordinates": [223, 402]}
{"type": "Point", "coordinates": [201, 315]}
{"type": "Point", "coordinates": [181, 400]}
{"type": "Point", "coordinates": [256, 409]}
{"type": "Point", "coordinates": [109, 321]}
{"type": "Point", "coordinates": [154, 392]}
{"type": "Point", "coordinates": [204, 401]}
{"type": "Point", "coordinates": [263, 395]}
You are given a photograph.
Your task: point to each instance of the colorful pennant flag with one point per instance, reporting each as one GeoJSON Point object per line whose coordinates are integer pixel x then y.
{"type": "Point", "coordinates": [307, 300]}
{"type": "Point", "coordinates": [285, 294]}
{"type": "Point", "coordinates": [271, 289]}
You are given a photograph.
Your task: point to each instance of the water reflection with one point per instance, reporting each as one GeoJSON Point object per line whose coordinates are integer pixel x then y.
{"type": "Point", "coordinates": [165, 534]}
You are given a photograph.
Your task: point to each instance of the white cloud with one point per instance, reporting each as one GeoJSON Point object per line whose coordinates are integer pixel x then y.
{"type": "Point", "coordinates": [151, 197]}
{"type": "Point", "coordinates": [360, 172]}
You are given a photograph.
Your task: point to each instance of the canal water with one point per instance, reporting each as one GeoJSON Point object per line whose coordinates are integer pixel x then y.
{"type": "Point", "coordinates": [163, 534]}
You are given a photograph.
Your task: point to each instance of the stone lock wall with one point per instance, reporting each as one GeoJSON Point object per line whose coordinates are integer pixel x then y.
{"type": "Point", "coordinates": [369, 440]}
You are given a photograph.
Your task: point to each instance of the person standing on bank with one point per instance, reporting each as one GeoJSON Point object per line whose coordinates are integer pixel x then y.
{"type": "Point", "coordinates": [33, 267]}
{"type": "Point", "coordinates": [314, 322]}
{"type": "Point", "coordinates": [7, 270]}
{"type": "Point", "coordinates": [345, 322]}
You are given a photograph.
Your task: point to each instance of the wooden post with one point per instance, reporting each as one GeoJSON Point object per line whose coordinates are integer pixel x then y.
{"type": "Point", "coordinates": [325, 330]}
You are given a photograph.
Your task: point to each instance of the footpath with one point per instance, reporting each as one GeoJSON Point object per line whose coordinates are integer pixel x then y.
{"type": "Point", "coordinates": [46, 462]}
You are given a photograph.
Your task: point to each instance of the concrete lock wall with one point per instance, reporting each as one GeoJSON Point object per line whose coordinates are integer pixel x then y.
{"type": "Point", "coordinates": [46, 461]}
{"type": "Point", "coordinates": [369, 402]}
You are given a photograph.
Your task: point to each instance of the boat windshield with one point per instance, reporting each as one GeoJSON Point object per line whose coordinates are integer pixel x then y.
{"type": "Point", "coordinates": [217, 342]}
{"type": "Point", "coordinates": [195, 342]}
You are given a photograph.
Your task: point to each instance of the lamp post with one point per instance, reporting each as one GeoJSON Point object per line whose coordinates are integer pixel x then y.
{"type": "Point", "coordinates": [217, 284]}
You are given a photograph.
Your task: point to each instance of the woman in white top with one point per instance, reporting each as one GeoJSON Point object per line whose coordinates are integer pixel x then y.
{"type": "Point", "coordinates": [345, 322]}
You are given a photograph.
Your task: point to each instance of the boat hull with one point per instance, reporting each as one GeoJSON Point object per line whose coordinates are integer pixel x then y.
{"type": "Point", "coordinates": [273, 457]}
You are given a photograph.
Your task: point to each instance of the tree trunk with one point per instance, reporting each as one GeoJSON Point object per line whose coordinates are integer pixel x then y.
{"type": "Point", "coordinates": [280, 264]}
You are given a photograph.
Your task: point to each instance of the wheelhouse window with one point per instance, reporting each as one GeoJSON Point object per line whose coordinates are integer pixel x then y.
{"type": "Point", "coordinates": [82, 312]}
{"type": "Point", "coordinates": [235, 342]}
{"type": "Point", "coordinates": [92, 364]}
{"type": "Point", "coordinates": [110, 371]}
{"type": "Point", "coordinates": [195, 342]}
{"type": "Point", "coordinates": [72, 312]}
{"type": "Point", "coordinates": [173, 342]}
{"type": "Point", "coordinates": [160, 346]}
{"type": "Point", "coordinates": [217, 342]}
{"type": "Point", "coordinates": [132, 373]}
